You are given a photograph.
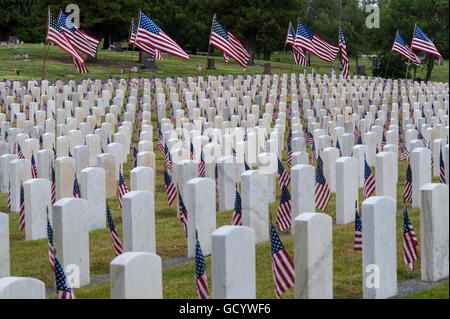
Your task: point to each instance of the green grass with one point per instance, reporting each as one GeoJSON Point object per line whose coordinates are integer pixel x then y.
{"type": "Point", "coordinates": [439, 292]}
{"type": "Point", "coordinates": [59, 65]}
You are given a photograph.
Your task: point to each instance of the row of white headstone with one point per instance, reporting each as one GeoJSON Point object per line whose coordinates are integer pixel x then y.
{"type": "Point", "coordinates": [138, 272]}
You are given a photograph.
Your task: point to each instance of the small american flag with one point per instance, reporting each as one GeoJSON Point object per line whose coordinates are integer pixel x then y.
{"type": "Point", "coordinates": [409, 242]}
{"type": "Point", "coordinates": [41, 143]}
{"type": "Point", "coordinates": [34, 173]}
{"type": "Point", "coordinates": [119, 122]}
{"type": "Point", "coordinates": [237, 213]}
{"type": "Point", "coordinates": [313, 153]}
{"type": "Point", "coordinates": [284, 210]}
{"type": "Point", "coordinates": [63, 290]}
{"type": "Point", "coordinates": [148, 33]}
{"type": "Point", "coordinates": [343, 47]}
{"type": "Point", "coordinates": [306, 39]}
{"type": "Point", "coordinates": [76, 188]}
{"type": "Point", "coordinates": [123, 189]}
{"type": "Point", "coordinates": [338, 146]}
{"type": "Point", "coordinates": [227, 42]}
{"type": "Point", "coordinates": [118, 248]}
{"type": "Point", "coordinates": [201, 166]}
{"type": "Point", "coordinates": [369, 181]}
{"type": "Point", "coordinates": [356, 132]}
{"type": "Point", "coordinates": [322, 190]}
{"type": "Point", "coordinates": [171, 189]}
{"type": "Point", "coordinates": [283, 176]}
{"type": "Point", "coordinates": [357, 242]}
{"type": "Point", "coordinates": [289, 149]}
{"type": "Point", "coordinates": [407, 191]}
{"type": "Point", "coordinates": [53, 189]}
{"type": "Point", "coordinates": [51, 248]}
{"type": "Point", "coordinates": [22, 209]}
{"type": "Point", "coordinates": [132, 144]}
{"type": "Point", "coordinates": [403, 49]}
{"type": "Point", "coordinates": [404, 154]}
{"type": "Point", "coordinates": [247, 167]}
{"type": "Point", "coordinates": [135, 153]}
{"type": "Point", "coordinates": [282, 265]}
{"type": "Point", "coordinates": [167, 160]}
{"type": "Point", "coordinates": [9, 195]}
{"type": "Point", "coordinates": [19, 152]}
{"type": "Point", "coordinates": [201, 279]}
{"type": "Point", "coordinates": [441, 168]}
{"type": "Point", "coordinates": [192, 153]}
{"type": "Point", "coordinates": [183, 214]}
{"type": "Point", "coordinates": [422, 43]}
{"type": "Point", "coordinates": [161, 143]}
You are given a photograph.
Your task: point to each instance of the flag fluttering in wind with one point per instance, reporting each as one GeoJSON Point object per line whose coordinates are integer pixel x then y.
{"type": "Point", "coordinates": [118, 248]}
{"type": "Point", "coordinates": [80, 40]}
{"type": "Point", "coordinates": [155, 53]}
{"type": "Point", "coordinates": [422, 43]}
{"type": "Point", "coordinates": [404, 50]}
{"type": "Point", "coordinates": [299, 56]}
{"type": "Point", "coordinates": [409, 242]}
{"type": "Point", "coordinates": [343, 48]}
{"type": "Point", "coordinates": [282, 265]}
{"type": "Point", "coordinates": [201, 279]}
{"type": "Point", "coordinates": [148, 33]}
{"type": "Point", "coordinates": [223, 40]}
{"type": "Point", "coordinates": [307, 40]}
{"type": "Point", "coordinates": [56, 36]}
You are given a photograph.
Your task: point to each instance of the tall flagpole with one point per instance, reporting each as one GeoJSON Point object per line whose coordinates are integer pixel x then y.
{"type": "Point", "coordinates": [209, 43]}
{"type": "Point", "coordinates": [387, 65]}
{"type": "Point", "coordinates": [129, 37]}
{"type": "Point", "coordinates": [410, 48]}
{"type": "Point", "coordinates": [132, 52]}
{"type": "Point", "coordinates": [340, 49]}
{"type": "Point", "coordinates": [47, 48]}
{"type": "Point", "coordinates": [289, 27]}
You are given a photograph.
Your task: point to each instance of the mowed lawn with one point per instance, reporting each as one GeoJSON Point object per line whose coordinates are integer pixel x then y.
{"type": "Point", "coordinates": [29, 258]}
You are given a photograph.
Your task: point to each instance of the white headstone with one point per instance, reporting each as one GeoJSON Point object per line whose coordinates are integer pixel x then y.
{"type": "Point", "coordinates": [4, 245]}
{"type": "Point", "coordinates": [93, 190]}
{"type": "Point", "coordinates": [37, 195]}
{"type": "Point", "coordinates": [21, 288]}
{"type": "Point", "coordinates": [385, 184]}
{"type": "Point", "coordinates": [346, 189]}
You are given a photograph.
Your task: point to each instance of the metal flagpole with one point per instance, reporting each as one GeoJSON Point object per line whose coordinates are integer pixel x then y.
{"type": "Point", "coordinates": [132, 52]}
{"type": "Point", "coordinates": [387, 65]}
{"type": "Point", "coordinates": [209, 44]}
{"type": "Point", "coordinates": [129, 37]}
{"type": "Point", "coordinates": [284, 49]}
{"type": "Point", "coordinates": [339, 41]}
{"type": "Point", "coordinates": [47, 48]}
{"type": "Point", "coordinates": [410, 48]}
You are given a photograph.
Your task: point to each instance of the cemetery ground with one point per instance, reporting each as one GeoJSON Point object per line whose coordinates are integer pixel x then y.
{"type": "Point", "coordinates": [60, 66]}
{"type": "Point", "coordinates": [30, 258]}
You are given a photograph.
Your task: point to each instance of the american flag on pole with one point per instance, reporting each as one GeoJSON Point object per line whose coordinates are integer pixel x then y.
{"type": "Point", "coordinates": [306, 39]}
{"type": "Point", "coordinates": [441, 168]}
{"type": "Point", "coordinates": [22, 209]}
{"type": "Point", "coordinates": [161, 143]}
{"type": "Point", "coordinates": [118, 248]}
{"type": "Point", "coordinates": [63, 290]}
{"type": "Point", "coordinates": [404, 154]}
{"type": "Point", "coordinates": [369, 181]}
{"type": "Point", "coordinates": [56, 36]}
{"type": "Point", "coordinates": [343, 48]}
{"type": "Point", "coordinates": [407, 191]}
{"type": "Point", "coordinates": [51, 247]}
{"type": "Point", "coordinates": [167, 159]}
{"type": "Point", "coordinates": [34, 173]}
{"type": "Point", "coordinates": [422, 43]}
{"type": "Point", "coordinates": [409, 242]}
{"type": "Point", "coordinates": [404, 50]}
{"type": "Point", "coordinates": [171, 189]}
{"type": "Point", "coordinates": [201, 166]}
{"type": "Point", "coordinates": [356, 132]}
{"type": "Point", "coordinates": [155, 53]}
{"type": "Point", "coordinates": [284, 210]}
{"type": "Point", "coordinates": [357, 242]}
{"type": "Point", "coordinates": [80, 40]}
{"type": "Point", "coordinates": [237, 212]}
{"type": "Point", "coordinates": [283, 176]}
{"type": "Point", "coordinates": [282, 265]}
{"type": "Point", "coordinates": [183, 214]}
{"type": "Point", "coordinates": [299, 55]}
{"type": "Point", "coordinates": [201, 279]}
{"type": "Point", "coordinates": [123, 189]}
{"type": "Point", "coordinates": [322, 190]}
{"type": "Point", "coordinates": [76, 188]}
{"type": "Point", "coordinates": [227, 42]}
{"type": "Point", "coordinates": [313, 153]}
{"type": "Point", "coordinates": [289, 149]}
{"type": "Point", "coordinates": [338, 146]}
{"type": "Point", "coordinates": [53, 189]}
{"type": "Point", "coordinates": [9, 195]}
{"type": "Point", "coordinates": [19, 152]}
{"type": "Point", "coordinates": [149, 34]}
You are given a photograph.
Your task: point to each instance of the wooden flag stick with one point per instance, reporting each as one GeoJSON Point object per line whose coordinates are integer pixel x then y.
{"type": "Point", "coordinates": [410, 48]}
{"type": "Point", "coordinates": [390, 53]}
{"type": "Point", "coordinates": [209, 44]}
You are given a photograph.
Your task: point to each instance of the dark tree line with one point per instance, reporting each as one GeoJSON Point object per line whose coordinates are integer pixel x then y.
{"type": "Point", "coordinates": [261, 25]}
